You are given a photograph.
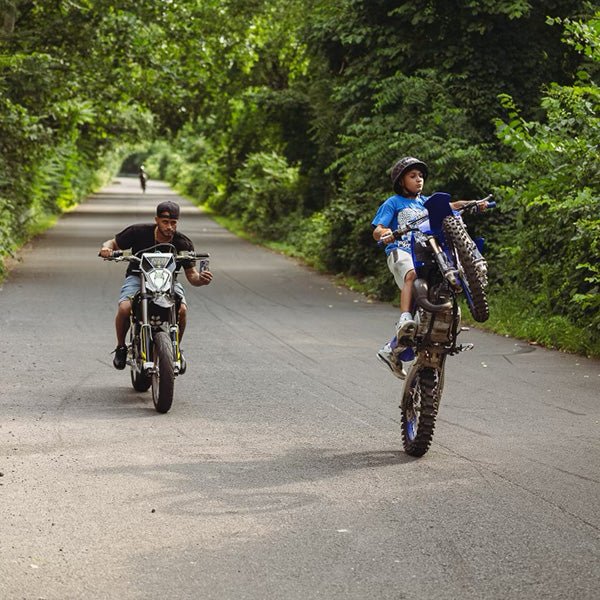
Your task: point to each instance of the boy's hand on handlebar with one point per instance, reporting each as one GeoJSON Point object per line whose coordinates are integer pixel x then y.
{"type": "Point", "coordinates": [474, 206]}
{"type": "Point", "coordinates": [387, 236]}
{"type": "Point", "coordinates": [105, 252]}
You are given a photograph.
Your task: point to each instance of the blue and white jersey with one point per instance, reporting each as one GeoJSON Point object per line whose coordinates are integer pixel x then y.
{"type": "Point", "coordinates": [396, 212]}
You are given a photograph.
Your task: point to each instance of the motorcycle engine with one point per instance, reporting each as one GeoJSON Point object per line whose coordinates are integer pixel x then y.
{"type": "Point", "coordinates": [436, 326]}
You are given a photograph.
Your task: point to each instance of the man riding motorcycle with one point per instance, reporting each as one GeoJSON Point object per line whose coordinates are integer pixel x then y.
{"type": "Point", "coordinates": [138, 237]}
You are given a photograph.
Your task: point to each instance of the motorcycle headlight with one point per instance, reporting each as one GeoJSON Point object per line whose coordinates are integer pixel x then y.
{"type": "Point", "coordinates": [159, 280]}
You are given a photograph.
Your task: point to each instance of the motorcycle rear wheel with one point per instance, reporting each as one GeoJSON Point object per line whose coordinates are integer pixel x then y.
{"type": "Point", "coordinates": [465, 256]}
{"type": "Point", "coordinates": [419, 407]}
{"type": "Point", "coordinates": [163, 378]}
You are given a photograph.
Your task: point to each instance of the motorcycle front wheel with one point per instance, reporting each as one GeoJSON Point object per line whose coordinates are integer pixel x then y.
{"type": "Point", "coordinates": [163, 377]}
{"type": "Point", "coordinates": [419, 407]}
{"type": "Point", "coordinates": [465, 256]}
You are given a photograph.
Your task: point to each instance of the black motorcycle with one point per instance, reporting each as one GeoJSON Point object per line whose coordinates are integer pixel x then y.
{"type": "Point", "coordinates": [153, 350]}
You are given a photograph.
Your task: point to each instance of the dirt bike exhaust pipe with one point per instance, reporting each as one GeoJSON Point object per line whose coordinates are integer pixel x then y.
{"type": "Point", "coordinates": [420, 294]}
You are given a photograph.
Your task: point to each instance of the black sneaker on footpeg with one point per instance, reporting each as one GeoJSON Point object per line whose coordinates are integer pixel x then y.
{"type": "Point", "coordinates": [120, 359]}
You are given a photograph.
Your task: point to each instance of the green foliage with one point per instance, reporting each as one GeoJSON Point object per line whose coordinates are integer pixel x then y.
{"type": "Point", "coordinates": [552, 243]}
{"type": "Point", "coordinates": [265, 195]}
{"type": "Point", "coordinates": [286, 115]}
{"type": "Point", "coordinates": [513, 312]}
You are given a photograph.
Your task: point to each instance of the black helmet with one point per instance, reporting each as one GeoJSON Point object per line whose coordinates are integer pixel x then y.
{"type": "Point", "coordinates": [403, 165]}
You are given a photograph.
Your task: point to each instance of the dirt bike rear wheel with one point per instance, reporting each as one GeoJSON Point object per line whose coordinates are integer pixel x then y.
{"type": "Point", "coordinates": [163, 378]}
{"type": "Point", "coordinates": [465, 257]}
{"type": "Point", "coordinates": [419, 407]}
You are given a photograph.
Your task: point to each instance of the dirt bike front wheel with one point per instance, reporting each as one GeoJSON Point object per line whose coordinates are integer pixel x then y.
{"type": "Point", "coordinates": [419, 407]}
{"type": "Point", "coordinates": [163, 377]}
{"type": "Point", "coordinates": [465, 257]}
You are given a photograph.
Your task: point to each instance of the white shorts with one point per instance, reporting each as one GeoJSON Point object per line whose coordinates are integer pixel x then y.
{"type": "Point", "coordinates": [399, 263]}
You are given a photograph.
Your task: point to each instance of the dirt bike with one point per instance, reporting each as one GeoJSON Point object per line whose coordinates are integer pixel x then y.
{"type": "Point", "coordinates": [448, 264]}
{"type": "Point", "coordinates": [153, 354]}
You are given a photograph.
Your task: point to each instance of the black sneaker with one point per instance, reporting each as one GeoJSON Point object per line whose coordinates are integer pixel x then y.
{"type": "Point", "coordinates": [120, 359]}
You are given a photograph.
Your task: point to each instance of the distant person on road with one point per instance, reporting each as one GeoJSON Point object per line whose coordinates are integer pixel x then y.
{"type": "Point", "coordinates": [139, 237]}
{"type": "Point", "coordinates": [143, 178]}
{"type": "Point", "coordinates": [407, 203]}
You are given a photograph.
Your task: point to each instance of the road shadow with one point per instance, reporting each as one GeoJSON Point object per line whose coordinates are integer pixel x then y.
{"type": "Point", "coordinates": [211, 486]}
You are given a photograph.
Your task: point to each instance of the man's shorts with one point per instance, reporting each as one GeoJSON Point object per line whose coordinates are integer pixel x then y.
{"type": "Point", "coordinates": [399, 263]}
{"type": "Point", "coordinates": [131, 286]}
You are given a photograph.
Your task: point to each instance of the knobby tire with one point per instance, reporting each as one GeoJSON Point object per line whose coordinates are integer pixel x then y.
{"type": "Point", "coordinates": [419, 410]}
{"type": "Point", "coordinates": [465, 253]}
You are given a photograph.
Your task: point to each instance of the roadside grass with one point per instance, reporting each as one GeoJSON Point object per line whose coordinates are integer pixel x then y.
{"type": "Point", "coordinates": [285, 248]}
{"type": "Point", "coordinates": [513, 315]}
{"type": "Point", "coordinates": [10, 255]}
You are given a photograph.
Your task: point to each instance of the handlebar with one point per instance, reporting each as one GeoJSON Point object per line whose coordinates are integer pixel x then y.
{"type": "Point", "coordinates": [127, 256]}
{"type": "Point", "coordinates": [472, 206]}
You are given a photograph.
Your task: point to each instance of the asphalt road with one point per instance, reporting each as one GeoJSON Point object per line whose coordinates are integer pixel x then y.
{"type": "Point", "coordinates": [279, 472]}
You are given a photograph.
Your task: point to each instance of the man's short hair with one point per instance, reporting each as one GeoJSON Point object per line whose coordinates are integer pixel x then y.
{"type": "Point", "coordinates": [168, 210]}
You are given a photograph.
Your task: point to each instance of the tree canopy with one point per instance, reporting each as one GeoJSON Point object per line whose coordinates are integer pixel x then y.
{"type": "Point", "coordinates": [288, 115]}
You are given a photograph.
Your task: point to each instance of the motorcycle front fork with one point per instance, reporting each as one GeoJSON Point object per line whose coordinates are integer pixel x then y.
{"type": "Point", "coordinates": [146, 343]}
{"type": "Point", "coordinates": [449, 272]}
{"type": "Point", "coordinates": [174, 334]}
{"type": "Point", "coordinates": [146, 339]}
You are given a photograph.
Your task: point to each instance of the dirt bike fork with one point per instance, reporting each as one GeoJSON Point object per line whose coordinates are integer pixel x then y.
{"type": "Point", "coordinates": [146, 345]}
{"type": "Point", "coordinates": [174, 335]}
{"type": "Point", "coordinates": [448, 271]}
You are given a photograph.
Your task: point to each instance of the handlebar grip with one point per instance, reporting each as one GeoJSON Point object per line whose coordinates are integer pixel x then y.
{"type": "Point", "coordinates": [115, 254]}
{"type": "Point", "coordinates": [491, 204]}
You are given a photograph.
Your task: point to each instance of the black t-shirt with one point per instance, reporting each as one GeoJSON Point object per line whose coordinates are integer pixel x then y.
{"type": "Point", "coordinates": [141, 236]}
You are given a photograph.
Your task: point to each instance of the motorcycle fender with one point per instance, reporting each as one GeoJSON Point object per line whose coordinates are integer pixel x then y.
{"type": "Point", "coordinates": [438, 207]}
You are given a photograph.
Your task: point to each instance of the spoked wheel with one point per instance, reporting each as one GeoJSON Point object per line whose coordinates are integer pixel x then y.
{"type": "Point", "coordinates": [465, 257]}
{"type": "Point", "coordinates": [140, 381]}
{"type": "Point", "coordinates": [163, 378]}
{"type": "Point", "coordinates": [419, 409]}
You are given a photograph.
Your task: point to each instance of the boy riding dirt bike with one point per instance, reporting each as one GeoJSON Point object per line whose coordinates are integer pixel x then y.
{"type": "Point", "coordinates": [408, 178]}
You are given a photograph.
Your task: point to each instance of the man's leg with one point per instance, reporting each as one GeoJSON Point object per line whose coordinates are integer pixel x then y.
{"type": "Point", "coordinates": [182, 319]}
{"type": "Point", "coordinates": [122, 321]}
{"type": "Point", "coordinates": [406, 292]}
{"type": "Point", "coordinates": [130, 286]}
{"type": "Point", "coordinates": [121, 325]}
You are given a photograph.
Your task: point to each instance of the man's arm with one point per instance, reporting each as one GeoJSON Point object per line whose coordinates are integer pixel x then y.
{"type": "Point", "coordinates": [198, 278]}
{"type": "Point", "coordinates": [107, 248]}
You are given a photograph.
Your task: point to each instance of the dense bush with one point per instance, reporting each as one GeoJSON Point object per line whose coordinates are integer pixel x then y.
{"type": "Point", "coordinates": [551, 248]}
